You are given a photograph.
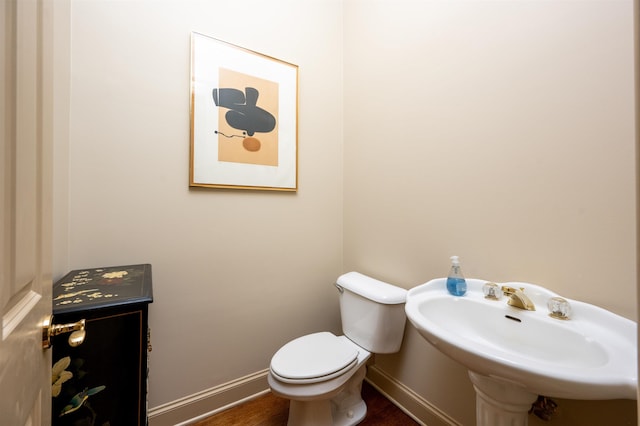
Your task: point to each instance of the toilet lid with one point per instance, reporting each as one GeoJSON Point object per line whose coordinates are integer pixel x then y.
{"type": "Point", "coordinates": [313, 358]}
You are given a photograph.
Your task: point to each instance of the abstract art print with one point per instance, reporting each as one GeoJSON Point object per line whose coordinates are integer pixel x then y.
{"type": "Point", "coordinates": [244, 118]}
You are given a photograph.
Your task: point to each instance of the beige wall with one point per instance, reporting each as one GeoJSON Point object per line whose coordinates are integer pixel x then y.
{"type": "Point", "coordinates": [498, 131]}
{"type": "Point", "coordinates": [236, 273]}
{"type": "Point", "coordinates": [502, 132]}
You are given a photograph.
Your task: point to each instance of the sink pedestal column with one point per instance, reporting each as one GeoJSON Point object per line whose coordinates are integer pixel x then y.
{"type": "Point", "coordinates": [500, 403]}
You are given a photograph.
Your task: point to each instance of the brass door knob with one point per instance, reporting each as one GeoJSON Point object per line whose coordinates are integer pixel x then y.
{"type": "Point", "coordinates": [76, 329]}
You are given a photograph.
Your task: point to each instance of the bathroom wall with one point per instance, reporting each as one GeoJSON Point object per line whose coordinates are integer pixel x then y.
{"type": "Point", "coordinates": [498, 131]}
{"type": "Point", "coordinates": [502, 132]}
{"type": "Point", "coordinates": [236, 273]}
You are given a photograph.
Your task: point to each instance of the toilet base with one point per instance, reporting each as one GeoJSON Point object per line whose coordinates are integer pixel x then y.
{"type": "Point", "coordinates": [303, 413]}
{"type": "Point", "coordinates": [347, 408]}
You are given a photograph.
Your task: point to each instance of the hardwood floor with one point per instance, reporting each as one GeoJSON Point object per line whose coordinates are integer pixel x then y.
{"type": "Point", "coordinates": [270, 410]}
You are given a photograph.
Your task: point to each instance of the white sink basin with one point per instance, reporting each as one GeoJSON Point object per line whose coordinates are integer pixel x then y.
{"type": "Point", "coordinates": [593, 355]}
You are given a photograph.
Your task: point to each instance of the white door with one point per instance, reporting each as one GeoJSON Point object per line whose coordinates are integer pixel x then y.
{"type": "Point", "coordinates": [25, 210]}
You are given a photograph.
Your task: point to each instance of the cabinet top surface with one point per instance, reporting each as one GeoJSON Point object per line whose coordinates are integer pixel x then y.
{"type": "Point", "coordinates": [105, 287]}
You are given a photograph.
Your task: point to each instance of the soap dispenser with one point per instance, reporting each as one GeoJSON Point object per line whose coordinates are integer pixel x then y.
{"type": "Point", "coordinates": [456, 283]}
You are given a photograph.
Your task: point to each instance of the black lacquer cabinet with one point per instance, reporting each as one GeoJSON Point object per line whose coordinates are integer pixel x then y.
{"type": "Point", "coordinates": [102, 381]}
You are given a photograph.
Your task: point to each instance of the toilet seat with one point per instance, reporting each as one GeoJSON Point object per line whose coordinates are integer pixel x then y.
{"type": "Point", "coordinates": [314, 358]}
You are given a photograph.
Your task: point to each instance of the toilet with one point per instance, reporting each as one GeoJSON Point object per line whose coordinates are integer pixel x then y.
{"type": "Point", "coordinates": [321, 373]}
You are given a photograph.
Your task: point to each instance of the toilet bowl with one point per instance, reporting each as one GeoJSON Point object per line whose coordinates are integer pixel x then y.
{"type": "Point", "coordinates": [323, 379]}
{"type": "Point", "coordinates": [321, 373]}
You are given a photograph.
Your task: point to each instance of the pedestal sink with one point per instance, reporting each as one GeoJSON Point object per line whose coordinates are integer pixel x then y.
{"type": "Point", "coordinates": [514, 355]}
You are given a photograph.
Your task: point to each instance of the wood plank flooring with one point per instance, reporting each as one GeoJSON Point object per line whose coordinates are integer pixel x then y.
{"type": "Point", "coordinates": [270, 410]}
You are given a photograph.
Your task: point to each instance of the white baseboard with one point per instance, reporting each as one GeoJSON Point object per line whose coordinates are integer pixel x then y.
{"type": "Point", "coordinates": [416, 407]}
{"type": "Point", "coordinates": [192, 408]}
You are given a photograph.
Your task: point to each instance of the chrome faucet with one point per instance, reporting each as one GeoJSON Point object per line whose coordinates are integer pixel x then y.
{"type": "Point", "coordinates": [518, 299]}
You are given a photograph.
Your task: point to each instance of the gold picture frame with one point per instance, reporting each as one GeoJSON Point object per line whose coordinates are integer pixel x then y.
{"type": "Point", "coordinates": [244, 118]}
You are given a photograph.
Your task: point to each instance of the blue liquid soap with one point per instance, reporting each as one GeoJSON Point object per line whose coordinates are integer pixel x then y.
{"type": "Point", "coordinates": [456, 286]}
{"type": "Point", "coordinates": [456, 283]}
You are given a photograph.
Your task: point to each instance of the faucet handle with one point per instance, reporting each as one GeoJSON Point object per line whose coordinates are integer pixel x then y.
{"type": "Point", "coordinates": [491, 291]}
{"type": "Point", "coordinates": [559, 308]}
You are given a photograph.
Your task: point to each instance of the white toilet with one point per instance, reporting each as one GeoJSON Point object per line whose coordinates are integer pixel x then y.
{"type": "Point", "coordinates": [322, 373]}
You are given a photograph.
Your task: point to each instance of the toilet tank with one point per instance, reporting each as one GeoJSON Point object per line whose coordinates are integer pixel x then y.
{"type": "Point", "coordinates": [372, 312]}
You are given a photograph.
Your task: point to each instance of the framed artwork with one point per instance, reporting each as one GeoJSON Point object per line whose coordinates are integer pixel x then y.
{"type": "Point", "coordinates": [244, 118]}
